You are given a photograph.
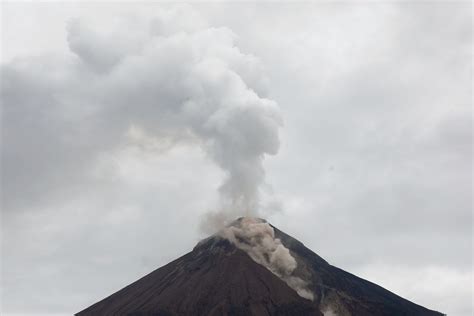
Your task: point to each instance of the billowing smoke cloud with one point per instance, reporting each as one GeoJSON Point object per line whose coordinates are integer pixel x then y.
{"type": "Point", "coordinates": [257, 238]}
{"type": "Point", "coordinates": [172, 77]}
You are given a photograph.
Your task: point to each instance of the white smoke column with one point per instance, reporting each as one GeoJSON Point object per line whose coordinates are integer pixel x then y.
{"type": "Point", "coordinates": [172, 77]}
{"type": "Point", "coordinates": [257, 238]}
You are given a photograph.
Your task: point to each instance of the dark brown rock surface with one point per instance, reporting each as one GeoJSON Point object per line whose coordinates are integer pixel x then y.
{"type": "Point", "coordinates": [216, 278]}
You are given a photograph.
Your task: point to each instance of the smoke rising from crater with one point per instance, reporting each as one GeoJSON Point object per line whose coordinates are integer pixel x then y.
{"type": "Point", "coordinates": [172, 77]}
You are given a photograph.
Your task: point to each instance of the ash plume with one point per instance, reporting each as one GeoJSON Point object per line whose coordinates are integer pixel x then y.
{"type": "Point", "coordinates": [172, 77]}
{"type": "Point", "coordinates": [196, 83]}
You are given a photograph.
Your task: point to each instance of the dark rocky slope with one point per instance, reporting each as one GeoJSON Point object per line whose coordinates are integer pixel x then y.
{"type": "Point", "coordinates": [216, 278]}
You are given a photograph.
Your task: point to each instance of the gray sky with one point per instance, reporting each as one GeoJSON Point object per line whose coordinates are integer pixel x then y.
{"type": "Point", "coordinates": [100, 186]}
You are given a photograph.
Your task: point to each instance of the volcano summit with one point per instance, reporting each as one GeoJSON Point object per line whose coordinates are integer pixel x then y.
{"type": "Point", "coordinates": [252, 268]}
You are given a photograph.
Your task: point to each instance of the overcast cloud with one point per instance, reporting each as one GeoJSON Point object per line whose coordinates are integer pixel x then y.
{"type": "Point", "coordinates": [362, 112]}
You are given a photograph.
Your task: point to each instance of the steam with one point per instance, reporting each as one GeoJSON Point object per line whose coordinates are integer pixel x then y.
{"type": "Point", "coordinates": [257, 238]}
{"type": "Point", "coordinates": [193, 84]}
{"type": "Point", "coordinates": [173, 78]}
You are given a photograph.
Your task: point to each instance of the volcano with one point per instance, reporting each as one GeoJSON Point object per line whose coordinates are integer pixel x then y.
{"type": "Point", "coordinates": [252, 268]}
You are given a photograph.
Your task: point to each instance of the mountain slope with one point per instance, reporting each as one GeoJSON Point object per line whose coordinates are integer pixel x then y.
{"type": "Point", "coordinates": [214, 279]}
{"type": "Point", "coordinates": [219, 278]}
